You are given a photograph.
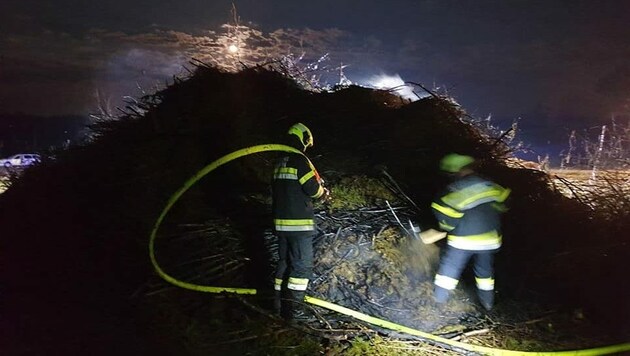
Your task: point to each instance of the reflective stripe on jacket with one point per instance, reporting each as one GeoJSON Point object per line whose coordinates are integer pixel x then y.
{"type": "Point", "coordinates": [470, 212]}
{"type": "Point", "coordinates": [295, 184]}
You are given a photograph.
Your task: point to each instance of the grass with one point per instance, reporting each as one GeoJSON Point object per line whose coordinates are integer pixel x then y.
{"type": "Point", "coordinates": [4, 184]}
{"type": "Point", "coordinates": [607, 192]}
{"type": "Point", "coordinates": [354, 192]}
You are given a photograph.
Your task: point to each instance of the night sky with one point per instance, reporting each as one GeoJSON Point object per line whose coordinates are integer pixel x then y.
{"type": "Point", "coordinates": [556, 65]}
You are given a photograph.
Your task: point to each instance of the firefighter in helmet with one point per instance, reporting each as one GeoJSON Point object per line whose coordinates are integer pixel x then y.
{"type": "Point", "coordinates": [469, 211]}
{"type": "Point", "coordinates": [296, 184]}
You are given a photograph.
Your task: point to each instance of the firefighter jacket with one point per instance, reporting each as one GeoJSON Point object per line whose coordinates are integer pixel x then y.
{"type": "Point", "coordinates": [295, 184]}
{"type": "Point", "coordinates": [469, 210]}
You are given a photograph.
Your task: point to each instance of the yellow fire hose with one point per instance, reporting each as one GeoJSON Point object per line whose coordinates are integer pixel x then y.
{"type": "Point", "coordinates": [322, 303]}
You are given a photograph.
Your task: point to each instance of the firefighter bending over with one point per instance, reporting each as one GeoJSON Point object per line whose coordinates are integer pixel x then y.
{"type": "Point", "coordinates": [295, 184]}
{"type": "Point", "coordinates": [469, 211]}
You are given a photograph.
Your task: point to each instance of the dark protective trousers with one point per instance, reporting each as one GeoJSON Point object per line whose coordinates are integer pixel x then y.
{"type": "Point", "coordinates": [295, 252]}
{"type": "Point", "coordinates": [454, 262]}
{"type": "Point", "coordinates": [295, 269]}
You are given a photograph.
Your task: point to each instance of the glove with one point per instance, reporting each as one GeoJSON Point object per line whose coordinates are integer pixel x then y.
{"type": "Point", "coordinates": [326, 194]}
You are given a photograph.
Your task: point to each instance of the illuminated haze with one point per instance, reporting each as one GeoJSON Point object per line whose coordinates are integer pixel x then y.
{"type": "Point", "coordinates": [555, 65]}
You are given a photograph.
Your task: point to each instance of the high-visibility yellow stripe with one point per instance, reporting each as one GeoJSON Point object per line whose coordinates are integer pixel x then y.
{"type": "Point", "coordinates": [486, 236]}
{"type": "Point", "coordinates": [448, 211]}
{"type": "Point", "coordinates": [295, 228]}
{"type": "Point", "coordinates": [444, 226]}
{"type": "Point", "coordinates": [285, 173]}
{"type": "Point", "coordinates": [289, 170]}
{"type": "Point", "coordinates": [486, 241]}
{"type": "Point", "coordinates": [296, 280]}
{"type": "Point", "coordinates": [307, 176]}
{"type": "Point", "coordinates": [485, 283]}
{"type": "Point", "coordinates": [285, 176]}
{"type": "Point", "coordinates": [294, 222]}
{"type": "Point", "coordinates": [487, 194]}
{"type": "Point", "coordinates": [300, 284]}
{"type": "Point", "coordinates": [477, 193]}
{"type": "Point", "coordinates": [446, 282]}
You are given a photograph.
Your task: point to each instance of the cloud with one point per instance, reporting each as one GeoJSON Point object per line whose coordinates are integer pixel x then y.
{"type": "Point", "coordinates": [582, 75]}
{"type": "Point", "coordinates": [117, 63]}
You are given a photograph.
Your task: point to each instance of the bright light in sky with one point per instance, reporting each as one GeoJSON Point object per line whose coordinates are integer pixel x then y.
{"type": "Point", "coordinates": [395, 82]}
{"type": "Point", "coordinates": [232, 48]}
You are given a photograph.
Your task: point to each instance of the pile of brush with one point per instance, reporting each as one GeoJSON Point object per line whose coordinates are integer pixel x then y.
{"type": "Point", "coordinates": [76, 228]}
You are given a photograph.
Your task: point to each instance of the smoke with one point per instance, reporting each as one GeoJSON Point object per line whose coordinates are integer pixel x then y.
{"type": "Point", "coordinates": [132, 73]}
{"type": "Point", "coordinates": [393, 83]}
{"type": "Point", "coordinates": [143, 65]}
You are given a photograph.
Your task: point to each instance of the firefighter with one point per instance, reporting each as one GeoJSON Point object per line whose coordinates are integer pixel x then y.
{"type": "Point", "coordinates": [296, 184]}
{"type": "Point", "coordinates": [469, 211]}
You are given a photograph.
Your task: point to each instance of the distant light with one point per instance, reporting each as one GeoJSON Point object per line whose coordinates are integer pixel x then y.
{"type": "Point", "coordinates": [232, 48]}
{"type": "Point", "coordinates": [394, 83]}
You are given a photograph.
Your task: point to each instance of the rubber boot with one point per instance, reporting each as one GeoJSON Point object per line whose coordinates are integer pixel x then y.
{"type": "Point", "coordinates": [277, 302]}
{"type": "Point", "coordinates": [286, 304]}
{"type": "Point", "coordinates": [486, 298]}
{"type": "Point", "coordinates": [299, 311]}
{"type": "Point", "coordinates": [440, 295]}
